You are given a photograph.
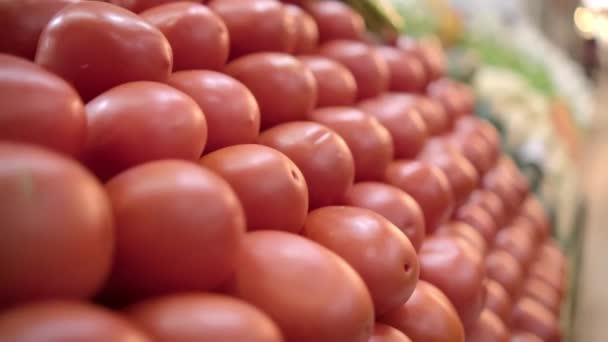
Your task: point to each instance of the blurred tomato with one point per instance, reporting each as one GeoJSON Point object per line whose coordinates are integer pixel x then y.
{"type": "Point", "coordinates": [461, 174]}
{"type": "Point", "coordinates": [531, 316]}
{"type": "Point", "coordinates": [284, 88]}
{"type": "Point", "coordinates": [534, 211]}
{"type": "Point", "coordinates": [310, 292]}
{"type": "Point", "coordinates": [336, 20]}
{"type": "Point", "coordinates": [466, 232]}
{"type": "Point", "coordinates": [477, 150]}
{"type": "Point", "coordinates": [504, 269]}
{"type": "Point", "coordinates": [270, 186]}
{"type": "Point", "coordinates": [479, 219]}
{"type": "Point", "coordinates": [498, 301]}
{"type": "Point", "coordinates": [445, 92]}
{"type": "Point", "coordinates": [139, 122]}
{"type": "Point", "coordinates": [90, 44]}
{"type": "Point", "coordinates": [544, 294]}
{"type": "Point", "coordinates": [39, 107]}
{"type": "Point", "coordinates": [488, 327]}
{"type": "Point", "coordinates": [138, 6]}
{"type": "Point", "coordinates": [58, 236]}
{"type": "Point", "coordinates": [203, 317]}
{"type": "Point", "coordinates": [429, 52]}
{"type": "Point", "coordinates": [335, 84]}
{"type": "Point", "coordinates": [518, 243]}
{"type": "Point", "coordinates": [406, 73]}
{"type": "Point", "coordinates": [307, 32]}
{"type": "Point", "coordinates": [385, 333]}
{"type": "Point", "coordinates": [231, 111]}
{"type": "Point", "coordinates": [522, 336]}
{"type": "Point", "coordinates": [491, 203]}
{"type": "Point", "coordinates": [436, 119]}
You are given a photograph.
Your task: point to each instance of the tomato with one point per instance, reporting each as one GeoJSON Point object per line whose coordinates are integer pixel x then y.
{"type": "Point", "coordinates": [429, 52]}
{"type": "Point", "coordinates": [530, 316]}
{"type": "Point", "coordinates": [544, 272]}
{"type": "Point", "coordinates": [477, 150]}
{"type": "Point", "coordinates": [23, 21]}
{"type": "Point", "coordinates": [427, 316]}
{"type": "Point", "coordinates": [39, 107]}
{"type": "Point", "coordinates": [392, 203]}
{"type": "Point", "coordinates": [198, 37]}
{"type": "Point", "coordinates": [320, 153]}
{"type": "Point", "coordinates": [56, 220]}
{"type": "Point", "coordinates": [373, 246]}
{"type": "Point", "coordinates": [428, 185]}
{"type": "Point", "coordinates": [480, 128]}
{"type": "Point", "coordinates": [479, 219]}
{"type": "Point", "coordinates": [504, 188]}
{"type": "Point", "coordinates": [491, 203]}
{"type": "Point", "coordinates": [336, 20]}
{"type": "Point", "coordinates": [335, 84]}
{"type": "Point", "coordinates": [498, 300]}
{"type": "Point", "coordinates": [522, 336]}
{"type": "Point", "coordinates": [544, 294]}
{"type": "Point", "coordinates": [398, 114]}
{"type": "Point", "coordinates": [466, 232]}
{"type": "Point", "coordinates": [533, 210]}
{"type": "Point", "coordinates": [284, 88]}
{"type": "Point", "coordinates": [504, 269]}
{"type": "Point", "coordinates": [270, 186]}
{"type": "Point", "coordinates": [369, 142]}
{"type": "Point", "coordinates": [66, 321]}
{"type": "Point", "coordinates": [307, 32]}
{"type": "Point", "coordinates": [138, 6]}
{"type": "Point", "coordinates": [385, 333]}
{"type": "Point", "coordinates": [256, 25]}
{"type": "Point", "coordinates": [467, 96]}
{"type": "Point", "coordinates": [368, 68]}
{"type": "Point", "coordinates": [90, 44]}
{"type": "Point", "coordinates": [461, 174]}
{"type": "Point", "coordinates": [231, 111]}
{"type": "Point", "coordinates": [488, 327]}
{"type": "Point", "coordinates": [434, 116]}
{"type": "Point", "coordinates": [517, 242]}
{"type": "Point", "coordinates": [139, 122]}
{"type": "Point", "coordinates": [310, 292]}
{"type": "Point", "coordinates": [444, 91]}
{"type": "Point", "coordinates": [203, 317]}
{"type": "Point", "coordinates": [406, 73]}
{"type": "Point", "coordinates": [456, 268]}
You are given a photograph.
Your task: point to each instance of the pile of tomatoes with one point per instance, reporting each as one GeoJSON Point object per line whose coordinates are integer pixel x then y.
{"type": "Point", "coordinates": [251, 170]}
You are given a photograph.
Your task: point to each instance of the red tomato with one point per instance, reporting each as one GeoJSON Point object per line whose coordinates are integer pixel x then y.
{"type": "Point", "coordinates": [472, 125]}
{"type": "Point", "coordinates": [457, 269]}
{"type": "Point", "coordinates": [504, 269]}
{"type": "Point", "coordinates": [23, 21]}
{"type": "Point", "coordinates": [39, 107]}
{"type": "Point", "coordinates": [138, 6]}
{"type": "Point", "coordinates": [398, 114]}
{"type": "Point", "coordinates": [90, 44]}
{"type": "Point", "coordinates": [270, 186]}
{"type": "Point", "coordinates": [479, 219]}
{"type": "Point", "coordinates": [476, 149]}
{"type": "Point", "coordinates": [466, 232]}
{"type": "Point", "coordinates": [436, 119]}
{"type": "Point", "coordinates": [428, 185]}
{"type": "Point", "coordinates": [284, 88]}
{"type": "Point", "coordinates": [522, 336]}
{"type": "Point", "coordinates": [505, 189]}
{"type": "Point", "coordinates": [517, 242]}
{"type": "Point", "coordinates": [427, 316]}
{"type": "Point", "coordinates": [320, 153]}
{"type": "Point", "coordinates": [498, 300]}
{"type": "Point", "coordinates": [534, 211]}
{"type": "Point", "coordinates": [310, 292]}
{"type": "Point", "coordinates": [406, 73]}
{"type": "Point", "coordinates": [547, 274]}
{"type": "Point", "coordinates": [368, 68]}
{"type": "Point", "coordinates": [166, 241]}
{"type": "Point", "coordinates": [488, 327]}
{"type": "Point", "coordinates": [392, 203]}
{"type": "Point", "coordinates": [373, 246]}
{"type": "Point", "coordinates": [307, 32]}
{"type": "Point", "coordinates": [198, 37]}
{"type": "Point", "coordinates": [491, 203]}
{"type": "Point", "coordinates": [461, 174]}
{"type": "Point", "coordinates": [336, 20]}
{"type": "Point", "coordinates": [66, 321]}
{"type": "Point", "coordinates": [385, 333]}
{"type": "Point", "coordinates": [445, 92]}
{"type": "Point", "coordinates": [335, 84]}
{"type": "Point", "coordinates": [256, 25]}
{"type": "Point", "coordinates": [57, 232]}
{"type": "Point", "coordinates": [530, 316]}
{"type": "Point", "coordinates": [231, 111]}
{"type": "Point", "coordinates": [429, 52]}
{"type": "Point", "coordinates": [139, 122]}
{"type": "Point", "coordinates": [544, 294]}
{"type": "Point", "coordinates": [203, 317]}
{"type": "Point", "coordinates": [369, 142]}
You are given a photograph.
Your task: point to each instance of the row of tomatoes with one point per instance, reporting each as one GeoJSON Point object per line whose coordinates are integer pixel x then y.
{"type": "Point", "coordinates": [422, 188]}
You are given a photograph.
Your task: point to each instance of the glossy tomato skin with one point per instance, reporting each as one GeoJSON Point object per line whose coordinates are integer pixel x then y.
{"type": "Point", "coordinates": [336, 85]}
{"type": "Point", "coordinates": [479, 219]}
{"type": "Point", "coordinates": [517, 242]}
{"type": "Point", "coordinates": [307, 32]}
{"type": "Point", "coordinates": [178, 228]}
{"type": "Point", "coordinates": [504, 268]}
{"type": "Point", "coordinates": [522, 336]}
{"type": "Point", "coordinates": [284, 88]}
{"type": "Point", "coordinates": [406, 73]}
{"type": "Point", "coordinates": [402, 120]}
{"type": "Point", "coordinates": [498, 300]}
{"type": "Point", "coordinates": [66, 321]}
{"type": "Point", "coordinates": [65, 48]}
{"type": "Point", "coordinates": [58, 232]}
{"type": "Point", "coordinates": [477, 150]}
{"type": "Point", "coordinates": [321, 154]}
{"type": "Point", "coordinates": [139, 122]}
{"type": "Point", "coordinates": [531, 316]}
{"type": "Point", "coordinates": [461, 174]}
{"type": "Point", "coordinates": [427, 316]}
{"type": "Point", "coordinates": [368, 68]}
{"type": "Point", "coordinates": [428, 185]}
{"type": "Point", "coordinates": [429, 52]}
{"type": "Point", "coordinates": [445, 92]}
{"type": "Point", "coordinates": [198, 37]}
{"type": "Point", "coordinates": [256, 26]}
{"type": "Point", "coordinates": [230, 109]}
{"type": "Point", "coordinates": [392, 203]}
{"type": "Point", "coordinates": [436, 119]}
{"type": "Point", "coordinates": [335, 307]}
{"type": "Point", "coordinates": [457, 269]}
{"type": "Point", "coordinates": [465, 231]}
{"type": "Point", "coordinates": [20, 35]}
{"type": "Point", "coordinates": [373, 246]}
{"type": "Point", "coordinates": [385, 333]}
{"type": "Point", "coordinates": [39, 107]}
{"type": "Point", "coordinates": [203, 317]}
{"type": "Point", "coordinates": [138, 6]}
{"type": "Point", "coordinates": [491, 203]}
{"type": "Point", "coordinates": [270, 186]}
{"type": "Point", "coordinates": [336, 20]}
{"type": "Point", "coordinates": [544, 294]}
{"type": "Point", "coordinates": [369, 142]}
{"type": "Point", "coordinates": [488, 327]}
